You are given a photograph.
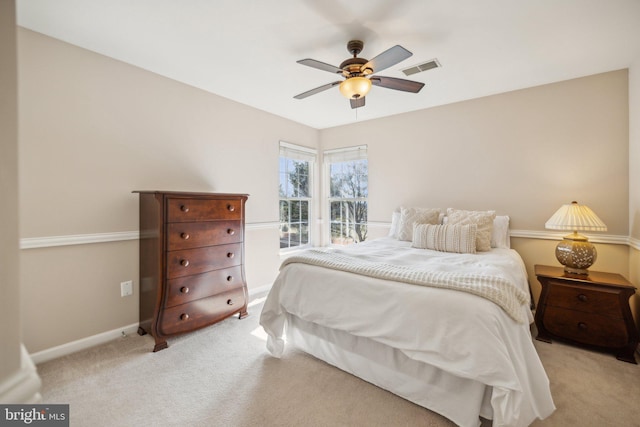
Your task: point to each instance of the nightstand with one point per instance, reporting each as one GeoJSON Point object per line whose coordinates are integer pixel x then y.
{"type": "Point", "coordinates": [587, 310]}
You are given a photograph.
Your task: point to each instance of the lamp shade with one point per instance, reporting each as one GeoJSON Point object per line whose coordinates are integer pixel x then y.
{"type": "Point", "coordinates": [355, 87]}
{"type": "Point", "coordinates": [575, 217]}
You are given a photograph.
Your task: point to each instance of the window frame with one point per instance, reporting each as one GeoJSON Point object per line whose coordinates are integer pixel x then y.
{"type": "Point", "coordinates": [340, 155]}
{"type": "Point", "coordinates": [299, 153]}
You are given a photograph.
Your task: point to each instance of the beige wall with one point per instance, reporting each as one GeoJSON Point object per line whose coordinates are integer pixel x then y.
{"type": "Point", "coordinates": [94, 129]}
{"type": "Point", "coordinates": [19, 380]}
{"type": "Point", "coordinates": [10, 325]}
{"type": "Point", "coordinates": [523, 153]}
{"type": "Point", "coordinates": [120, 129]}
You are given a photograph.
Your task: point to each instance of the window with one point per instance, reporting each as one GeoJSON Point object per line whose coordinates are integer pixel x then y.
{"type": "Point", "coordinates": [296, 174]}
{"type": "Point", "coordinates": [348, 176]}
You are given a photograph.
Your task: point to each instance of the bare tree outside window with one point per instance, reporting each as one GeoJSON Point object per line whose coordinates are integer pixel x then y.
{"type": "Point", "coordinates": [348, 201]}
{"type": "Point", "coordinates": [294, 202]}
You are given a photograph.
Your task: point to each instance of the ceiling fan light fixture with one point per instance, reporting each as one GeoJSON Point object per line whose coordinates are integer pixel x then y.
{"type": "Point", "coordinates": [355, 87]}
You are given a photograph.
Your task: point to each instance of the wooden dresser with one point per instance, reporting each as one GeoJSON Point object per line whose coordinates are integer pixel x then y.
{"type": "Point", "coordinates": [191, 261]}
{"type": "Point", "coordinates": [588, 310]}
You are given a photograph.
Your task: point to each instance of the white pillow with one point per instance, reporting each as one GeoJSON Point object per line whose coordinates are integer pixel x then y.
{"type": "Point", "coordinates": [500, 237]}
{"type": "Point", "coordinates": [395, 224]}
{"type": "Point", "coordinates": [484, 221]}
{"type": "Point", "coordinates": [447, 237]}
{"type": "Point", "coordinates": [410, 216]}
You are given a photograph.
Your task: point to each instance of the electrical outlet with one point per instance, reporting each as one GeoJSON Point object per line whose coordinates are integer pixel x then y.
{"type": "Point", "coordinates": [126, 288]}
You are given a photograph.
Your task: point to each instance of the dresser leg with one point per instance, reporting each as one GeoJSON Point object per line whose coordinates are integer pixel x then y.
{"type": "Point", "coordinates": [141, 331]}
{"type": "Point", "coordinates": [542, 335]}
{"type": "Point", "coordinates": [160, 346]}
{"type": "Point", "coordinates": [243, 313]}
{"type": "Point", "coordinates": [627, 355]}
{"type": "Point", "coordinates": [544, 339]}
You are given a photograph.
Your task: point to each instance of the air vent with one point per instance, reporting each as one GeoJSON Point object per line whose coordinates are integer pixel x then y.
{"type": "Point", "coordinates": [422, 67]}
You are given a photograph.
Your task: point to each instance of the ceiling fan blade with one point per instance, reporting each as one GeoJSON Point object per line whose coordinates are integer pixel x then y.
{"type": "Point", "coordinates": [317, 90]}
{"type": "Point", "coordinates": [320, 65]}
{"type": "Point", "coordinates": [357, 102]}
{"type": "Point", "coordinates": [387, 58]}
{"type": "Point", "coordinates": [397, 84]}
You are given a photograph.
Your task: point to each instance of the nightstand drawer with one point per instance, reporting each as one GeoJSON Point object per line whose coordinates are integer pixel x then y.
{"type": "Point", "coordinates": [603, 301]}
{"type": "Point", "coordinates": [592, 329]}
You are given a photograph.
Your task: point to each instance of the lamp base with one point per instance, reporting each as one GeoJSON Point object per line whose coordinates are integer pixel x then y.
{"type": "Point", "coordinates": [576, 253]}
{"type": "Point", "coordinates": [576, 270]}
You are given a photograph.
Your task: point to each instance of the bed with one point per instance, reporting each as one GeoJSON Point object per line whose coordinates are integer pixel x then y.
{"type": "Point", "coordinates": [446, 330]}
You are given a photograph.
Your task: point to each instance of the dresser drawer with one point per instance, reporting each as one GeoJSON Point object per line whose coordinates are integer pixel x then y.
{"type": "Point", "coordinates": [193, 261]}
{"type": "Point", "coordinates": [585, 328]}
{"type": "Point", "coordinates": [202, 312]}
{"type": "Point", "coordinates": [187, 210]}
{"type": "Point", "coordinates": [186, 235]}
{"type": "Point", "coordinates": [190, 288]}
{"type": "Point", "coordinates": [601, 301]}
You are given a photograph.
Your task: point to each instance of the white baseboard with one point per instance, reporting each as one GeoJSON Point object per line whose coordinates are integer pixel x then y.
{"type": "Point", "coordinates": [24, 385]}
{"type": "Point", "coordinates": [104, 337]}
{"type": "Point", "coordinates": [82, 344]}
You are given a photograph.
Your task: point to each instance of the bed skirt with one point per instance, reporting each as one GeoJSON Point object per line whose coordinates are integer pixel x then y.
{"type": "Point", "coordinates": [461, 400]}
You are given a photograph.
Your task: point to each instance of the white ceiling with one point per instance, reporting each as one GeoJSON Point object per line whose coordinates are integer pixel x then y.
{"type": "Point", "coordinates": [247, 50]}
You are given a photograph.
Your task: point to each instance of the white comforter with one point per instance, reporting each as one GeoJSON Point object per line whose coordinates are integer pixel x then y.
{"type": "Point", "coordinates": [458, 332]}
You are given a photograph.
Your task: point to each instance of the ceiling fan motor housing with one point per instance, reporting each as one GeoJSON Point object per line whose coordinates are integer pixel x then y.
{"type": "Point", "coordinates": [352, 67]}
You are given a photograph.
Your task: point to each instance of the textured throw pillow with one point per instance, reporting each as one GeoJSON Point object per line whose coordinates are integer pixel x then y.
{"type": "Point", "coordinates": [500, 234]}
{"type": "Point", "coordinates": [484, 221]}
{"type": "Point", "coordinates": [446, 238]}
{"type": "Point", "coordinates": [410, 216]}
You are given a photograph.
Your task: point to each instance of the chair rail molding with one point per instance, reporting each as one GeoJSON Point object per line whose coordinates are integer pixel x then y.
{"type": "Point", "coordinates": [77, 239]}
{"type": "Point", "coordinates": [118, 236]}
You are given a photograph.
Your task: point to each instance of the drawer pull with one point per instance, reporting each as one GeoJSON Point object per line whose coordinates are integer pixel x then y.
{"type": "Point", "coordinates": [184, 262]}
{"type": "Point", "coordinates": [231, 208]}
{"type": "Point", "coordinates": [582, 326]}
{"type": "Point", "coordinates": [229, 278]}
{"type": "Point", "coordinates": [229, 302]}
{"type": "Point", "coordinates": [231, 231]}
{"type": "Point", "coordinates": [582, 297]}
{"type": "Point", "coordinates": [184, 290]}
{"type": "Point", "coordinates": [185, 236]}
{"type": "Point", "coordinates": [184, 208]}
{"type": "Point", "coordinates": [230, 255]}
{"type": "Point", "coordinates": [184, 316]}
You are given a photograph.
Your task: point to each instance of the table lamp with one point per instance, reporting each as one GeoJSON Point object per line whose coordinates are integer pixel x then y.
{"type": "Point", "coordinates": [575, 251]}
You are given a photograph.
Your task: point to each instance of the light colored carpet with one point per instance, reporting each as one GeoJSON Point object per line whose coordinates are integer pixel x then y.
{"type": "Point", "coordinates": [223, 376]}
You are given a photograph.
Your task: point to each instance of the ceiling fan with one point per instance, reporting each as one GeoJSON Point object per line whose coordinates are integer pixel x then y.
{"type": "Point", "coordinates": [358, 74]}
